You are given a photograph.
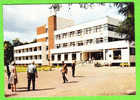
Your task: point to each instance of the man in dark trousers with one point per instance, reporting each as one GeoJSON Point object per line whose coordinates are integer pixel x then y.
{"type": "Point", "coordinates": [64, 71]}
{"type": "Point", "coordinates": [31, 75]}
{"type": "Point", "coordinates": [73, 68]}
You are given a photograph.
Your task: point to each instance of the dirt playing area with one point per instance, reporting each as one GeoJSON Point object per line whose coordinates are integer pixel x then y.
{"type": "Point", "coordinates": [89, 81]}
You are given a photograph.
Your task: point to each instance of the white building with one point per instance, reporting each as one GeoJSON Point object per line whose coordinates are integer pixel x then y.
{"type": "Point", "coordinates": [63, 41]}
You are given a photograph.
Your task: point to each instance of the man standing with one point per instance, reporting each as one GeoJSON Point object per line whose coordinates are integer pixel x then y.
{"type": "Point", "coordinates": [73, 68]}
{"type": "Point", "coordinates": [64, 71]}
{"type": "Point", "coordinates": [31, 75]}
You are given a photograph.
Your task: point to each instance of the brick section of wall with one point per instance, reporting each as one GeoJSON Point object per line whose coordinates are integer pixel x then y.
{"type": "Point", "coordinates": [41, 40]}
{"type": "Point", "coordinates": [41, 30]}
{"type": "Point", "coordinates": [51, 28]}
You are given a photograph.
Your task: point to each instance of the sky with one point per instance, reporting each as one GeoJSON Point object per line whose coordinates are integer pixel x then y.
{"type": "Point", "coordinates": [21, 21]}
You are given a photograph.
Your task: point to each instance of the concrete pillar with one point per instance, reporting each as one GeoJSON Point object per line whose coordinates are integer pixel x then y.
{"type": "Point", "coordinates": [62, 57]}
{"type": "Point", "coordinates": [43, 54]}
{"type": "Point", "coordinates": [70, 57]}
{"type": "Point", "coordinates": [78, 56]}
{"type": "Point", "coordinates": [104, 54]}
{"type": "Point", "coordinates": [55, 57]}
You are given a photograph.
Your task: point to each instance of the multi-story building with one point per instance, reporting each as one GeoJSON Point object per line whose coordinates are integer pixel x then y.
{"type": "Point", "coordinates": [62, 40]}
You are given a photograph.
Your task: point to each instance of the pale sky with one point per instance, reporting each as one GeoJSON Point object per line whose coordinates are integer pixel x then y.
{"type": "Point", "coordinates": [21, 21]}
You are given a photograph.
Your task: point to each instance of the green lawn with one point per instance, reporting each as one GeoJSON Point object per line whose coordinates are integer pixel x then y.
{"type": "Point", "coordinates": [39, 68]}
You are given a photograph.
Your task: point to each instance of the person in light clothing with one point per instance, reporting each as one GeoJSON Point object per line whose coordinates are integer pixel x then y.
{"type": "Point", "coordinates": [31, 75]}
{"type": "Point", "coordinates": [13, 77]}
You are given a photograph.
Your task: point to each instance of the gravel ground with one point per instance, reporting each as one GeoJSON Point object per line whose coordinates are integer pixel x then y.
{"type": "Point", "coordinates": [89, 81]}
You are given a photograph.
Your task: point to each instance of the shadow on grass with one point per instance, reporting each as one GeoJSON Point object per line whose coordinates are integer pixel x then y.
{"type": "Point", "coordinates": [25, 89]}
{"type": "Point", "coordinates": [9, 95]}
{"type": "Point", "coordinates": [21, 87]}
{"type": "Point", "coordinates": [72, 82]}
{"type": "Point", "coordinates": [80, 76]}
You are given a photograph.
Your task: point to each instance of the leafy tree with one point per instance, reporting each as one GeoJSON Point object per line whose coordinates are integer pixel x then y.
{"type": "Point", "coordinates": [8, 53]}
{"type": "Point", "coordinates": [17, 42]}
{"type": "Point", "coordinates": [127, 26]}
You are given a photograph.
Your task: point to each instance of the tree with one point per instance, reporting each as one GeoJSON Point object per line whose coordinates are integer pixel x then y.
{"type": "Point", "coordinates": [127, 26]}
{"type": "Point", "coordinates": [8, 53]}
{"type": "Point", "coordinates": [17, 42]}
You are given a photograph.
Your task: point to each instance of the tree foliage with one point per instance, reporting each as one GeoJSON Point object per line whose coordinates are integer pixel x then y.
{"type": "Point", "coordinates": [127, 26]}
{"type": "Point", "coordinates": [8, 52]}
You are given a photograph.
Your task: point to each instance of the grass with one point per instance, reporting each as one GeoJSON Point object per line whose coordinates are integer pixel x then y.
{"type": "Point", "coordinates": [39, 68]}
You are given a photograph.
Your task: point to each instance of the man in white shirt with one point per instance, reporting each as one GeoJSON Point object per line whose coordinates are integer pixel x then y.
{"type": "Point", "coordinates": [31, 75]}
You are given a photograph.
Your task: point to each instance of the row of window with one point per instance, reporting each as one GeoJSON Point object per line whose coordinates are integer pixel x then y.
{"type": "Point", "coordinates": [65, 57]}
{"type": "Point", "coordinates": [29, 57]}
{"type": "Point", "coordinates": [28, 49]}
{"type": "Point", "coordinates": [88, 30]}
{"type": "Point", "coordinates": [80, 43]}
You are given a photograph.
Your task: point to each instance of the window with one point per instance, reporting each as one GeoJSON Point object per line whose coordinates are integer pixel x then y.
{"type": "Point", "coordinates": [35, 49]}
{"type": "Point", "coordinates": [40, 57]}
{"type": "Point", "coordinates": [46, 47]}
{"type": "Point", "coordinates": [19, 51]}
{"type": "Point", "coordinates": [66, 57]}
{"type": "Point", "coordinates": [65, 44]}
{"type": "Point", "coordinates": [64, 35]}
{"type": "Point", "coordinates": [58, 37]}
{"type": "Point", "coordinates": [112, 27]}
{"type": "Point", "coordinates": [110, 39]}
{"type": "Point", "coordinates": [99, 40]}
{"type": "Point", "coordinates": [39, 48]}
{"type": "Point", "coordinates": [26, 58]}
{"type": "Point", "coordinates": [46, 39]}
{"type": "Point", "coordinates": [30, 49]}
{"type": "Point", "coordinates": [31, 57]}
{"type": "Point", "coordinates": [79, 32]}
{"type": "Point", "coordinates": [52, 57]}
{"type": "Point", "coordinates": [59, 57]}
{"type": "Point", "coordinates": [74, 56]}
{"type": "Point", "coordinates": [89, 41]}
{"type": "Point", "coordinates": [72, 43]}
{"type": "Point", "coordinates": [72, 34]}
{"type": "Point", "coordinates": [117, 54]}
{"type": "Point", "coordinates": [88, 30]}
{"type": "Point", "coordinates": [46, 57]}
{"type": "Point", "coordinates": [58, 45]}
{"type": "Point", "coordinates": [98, 28]}
{"type": "Point", "coordinates": [105, 26]}
{"type": "Point", "coordinates": [80, 43]}
{"type": "Point", "coordinates": [35, 56]}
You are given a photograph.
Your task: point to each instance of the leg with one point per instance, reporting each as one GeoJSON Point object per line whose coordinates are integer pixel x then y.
{"type": "Point", "coordinates": [29, 82]}
{"type": "Point", "coordinates": [63, 76]}
{"type": "Point", "coordinates": [14, 87]}
{"type": "Point", "coordinates": [73, 72]}
{"type": "Point", "coordinates": [33, 82]}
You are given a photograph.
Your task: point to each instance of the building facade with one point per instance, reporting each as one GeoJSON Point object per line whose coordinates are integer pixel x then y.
{"type": "Point", "coordinates": [62, 40]}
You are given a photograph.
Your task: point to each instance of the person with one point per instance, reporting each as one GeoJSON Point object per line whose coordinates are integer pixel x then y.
{"type": "Point", "coordinates": [8, 71]}
{"type": "Point", "coordinates": [13, 77]}
{"type": "Point", "coordinates": [31, 75]}
{"type": "Point", "coordinates": [64, 71]}
{"type": "Point", "coordinates": [73, 68]}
